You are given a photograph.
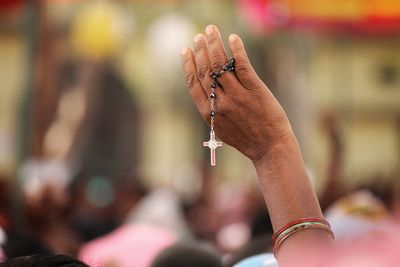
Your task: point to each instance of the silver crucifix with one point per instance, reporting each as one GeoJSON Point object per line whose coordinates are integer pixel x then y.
{"type": "Point", "coordinates": [212, 144]}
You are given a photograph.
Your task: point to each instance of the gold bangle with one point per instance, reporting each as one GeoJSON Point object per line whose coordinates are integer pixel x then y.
{"type": "Point", "coordinates": [297, 228]}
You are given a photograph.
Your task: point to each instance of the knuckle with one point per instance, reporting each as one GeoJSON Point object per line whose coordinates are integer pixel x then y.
{"type": "Point", "coordinates": [225, 107]}
{"type": "Point", "coordinates": [217, 61]}
{"type": "Point", "coordinates": [186, 61]}
{"type": "Point", "coordinates": [191, 79]}
{"type": "Point", "coordinates": [198, 48]}
{"type": "Point", "coordinates": [203, 70]}
{"type": "Point", "coordinates": [241, 66]}
{"type": "Point", "coordinates": [212, 39]}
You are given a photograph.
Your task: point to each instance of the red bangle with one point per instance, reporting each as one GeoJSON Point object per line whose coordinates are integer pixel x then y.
{"type": "Point", "coordinates": [301, 220]}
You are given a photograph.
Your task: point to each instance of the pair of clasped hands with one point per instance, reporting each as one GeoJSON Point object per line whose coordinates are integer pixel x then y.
{"type": "Point", "coordinates": [249, 118]}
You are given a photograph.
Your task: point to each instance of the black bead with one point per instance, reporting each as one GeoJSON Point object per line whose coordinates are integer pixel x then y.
{"type": "Point", "coordinates": [214, 85]}
{"type": "Point", "coordinates": [213, 95]}
{"type": "Point", "coordinates": [214, 75]}
{"type": "Point", "coordinates": [231, 64]}
{"type": "Point", "coordinates": [212, 113]}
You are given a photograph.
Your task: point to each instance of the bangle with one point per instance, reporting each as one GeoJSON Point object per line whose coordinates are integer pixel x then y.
{"type": "Point", "coordinates": [296, 226]}
{"type": "Point", "coordinates": [301, 220]}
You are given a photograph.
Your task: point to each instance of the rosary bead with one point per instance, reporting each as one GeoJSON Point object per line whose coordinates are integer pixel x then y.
{"type": "Point", "coordinates": [214, 75]}
{"type": "Point", "coordinates": [212, 113]}
{"type": "Point", "coordinates": [213, 95]}
{"type": "Point", "coordinates": [213, 85]}
{"type": "Point", "coordinates": [231, 64]}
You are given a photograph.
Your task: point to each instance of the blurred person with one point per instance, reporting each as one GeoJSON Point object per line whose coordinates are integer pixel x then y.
{"type": "Point", "coordinates": [92, 206]}
{"type": "Point", "coordinates": [249, 118]}
{"type": "Point", "coordinates": [5, 203]}
{"type": "Point", "coordinates": [130, 245]}
{"type": "Point", "coordinates": [5, 214]}
{"type": "Point", "coordinates": [228, 215]}
{"type": "Point", "coordinates": [187, 254]}
{"type": "Point", "coordinates": [21, 243]}
{"type": "Point", "coordinates": [43, 260]}
{"type": "Point", "coordinates": [358, 214]}
{"type": "Point", "coordinates": [46, 207]}
{"type": "Point", "coordinates": [333, 187]}
{"type": "Point", "coordinates": [84, 121]}
{"type": "Point", "coordinates": [384, 187]}
{"type": "Point", "coordinates": [201, 214]}
{"type": "Point", "coordinates": [149, 222]}
{"type": "Point", "coordinates": [221, 216]}
{"type": "Point", "coordinates": [241, 216]}
{"type": "Point", "coordinates": [163, 208]}
{"type": "Point", "coordinates": [14, 241]}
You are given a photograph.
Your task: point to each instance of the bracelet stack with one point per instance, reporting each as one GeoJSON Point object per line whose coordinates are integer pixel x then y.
{"type": "Point", "coordinates": [296, 226]}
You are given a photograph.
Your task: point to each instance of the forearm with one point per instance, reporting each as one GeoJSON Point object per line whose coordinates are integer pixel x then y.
{"type": "Point", "coordinates": [248, 118]}
{"type": "Point", "coordinates": [288, 192]}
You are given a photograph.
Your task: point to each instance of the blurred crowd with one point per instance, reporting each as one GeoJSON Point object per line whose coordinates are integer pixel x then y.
{"type": "Point", "coordinates": [121, 222]}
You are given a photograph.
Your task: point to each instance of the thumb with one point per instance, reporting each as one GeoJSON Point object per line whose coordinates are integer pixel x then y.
{"type": "Point", "coordinates": [243, 68]}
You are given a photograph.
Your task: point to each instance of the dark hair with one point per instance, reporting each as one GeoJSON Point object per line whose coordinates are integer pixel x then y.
{"type": "Point", "coordinates": [43, 260]}
{"type": "Point", "coordinates": [18, 245]}
{"type": "Point", "coordinates": [184, 255]}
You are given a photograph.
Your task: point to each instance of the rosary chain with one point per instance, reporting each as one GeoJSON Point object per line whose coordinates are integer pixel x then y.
{"type": "Point", "coordinates": [212, 110]}
{"type": "Point", "coordinates": [229, 66]}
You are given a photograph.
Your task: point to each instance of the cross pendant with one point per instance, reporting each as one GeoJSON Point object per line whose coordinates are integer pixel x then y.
{"type": "Point", "coordinates": [212, 144]}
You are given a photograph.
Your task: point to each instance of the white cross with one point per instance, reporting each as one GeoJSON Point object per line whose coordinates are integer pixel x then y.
{"type": "Point", "coordinates": [212, 144]}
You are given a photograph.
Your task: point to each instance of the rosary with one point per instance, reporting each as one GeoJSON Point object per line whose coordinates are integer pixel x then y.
{"type": "Point", "coordinates": [213, 143]}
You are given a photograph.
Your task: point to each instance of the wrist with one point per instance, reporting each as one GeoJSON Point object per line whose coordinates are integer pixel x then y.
{"type": "Point", "coordinates": [275, 152]}
{"type": "Point", "coordinates": [281, 162]}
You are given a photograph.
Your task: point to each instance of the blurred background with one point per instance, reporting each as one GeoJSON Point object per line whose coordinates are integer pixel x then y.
{"type": "Point", "coordinates": [97, 130]}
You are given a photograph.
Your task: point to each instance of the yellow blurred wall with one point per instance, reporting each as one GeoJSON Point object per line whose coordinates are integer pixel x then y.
{"type": "Point", "coordinates": [12, 66]}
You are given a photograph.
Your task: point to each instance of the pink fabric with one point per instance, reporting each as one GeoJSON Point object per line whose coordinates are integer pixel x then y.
{"type": "Point", "coordinates": [255, 12]}
{"type": "Point", "coordinates": [128, 246]}
{"type": "Point", "coordinates": [371, 250]}
{"type": "Point", "coordinates": [2, 256]}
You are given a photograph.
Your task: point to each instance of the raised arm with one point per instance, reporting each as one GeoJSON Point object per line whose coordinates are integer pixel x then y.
{"type": "Point", "coordinates": [249, 118]}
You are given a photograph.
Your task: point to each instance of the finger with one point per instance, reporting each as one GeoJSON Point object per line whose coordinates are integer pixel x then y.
{"type": "Point", "coordinates": [218, 58]}
{"type": "Point", "coordinates": [243, 68]}
{"type": "Point", "coordinates": [215, 47]}
{"type": "Point", "coordinates": [202, 62]}
{"type": "Point", "coordinates": [196, 91]}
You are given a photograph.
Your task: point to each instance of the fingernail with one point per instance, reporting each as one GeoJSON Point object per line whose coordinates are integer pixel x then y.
{"type": "Point", "coordinates": [233, 37]}
{"type": "Point", "coordinates": [197, 38]}
{"type": "Point", "coordinates": [210, 29]}
{"type": "Point", "coordinates": [184, 51]}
